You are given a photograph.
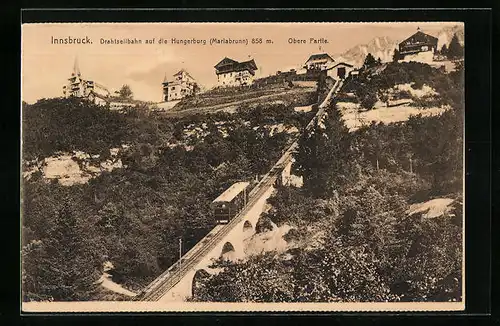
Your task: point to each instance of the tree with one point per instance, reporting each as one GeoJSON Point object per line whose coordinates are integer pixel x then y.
{"type": "Point", "coordinates": [369, 61]}
{"type": "Point", "coordinates": [65, 266]}
{"type": "Point", "coordinates": [379, 61]}
{"type": "Point", "coordinates": [369, 100]}
{"type": "Point", "coordinates": [444, 50]}
{"type": "Point", "coordinates": [196, 88]}
{"type": "Point", "coordinates": [455, 50]}
{"type": "Point", "coordinates": [338, 273]}
{"type": "Point", "coordinates": [125, 92]}
{"type": "Point", "coordinates": [322, 153]}
{"type": "Point", "coordinates": [437, 243]}
{"type": "Point", "coordinates": [262, 278]}
{"type": "Point", "coordinates": [396, 55]}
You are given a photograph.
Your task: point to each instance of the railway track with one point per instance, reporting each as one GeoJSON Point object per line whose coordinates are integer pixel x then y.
{"type": "Point", "coordinates": [173, 275]}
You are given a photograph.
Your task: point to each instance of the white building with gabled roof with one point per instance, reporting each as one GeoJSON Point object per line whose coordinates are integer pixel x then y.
{"type": "Point", "coordinates": [320, 61]}
{"type": "Point", "coordinates": [182, 85]}
{"type": "Point", "coordinates": [233, 73]}
{"type": "Point", "coordinates": [77, 86]}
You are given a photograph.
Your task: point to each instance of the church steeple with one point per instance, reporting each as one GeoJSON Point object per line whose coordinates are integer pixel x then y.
{"type": "Point", "coordinates": [76, 68]}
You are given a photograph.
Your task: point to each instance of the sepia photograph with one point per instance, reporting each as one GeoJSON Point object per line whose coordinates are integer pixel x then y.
{"type": "Point", "coordinates": [242, 167]}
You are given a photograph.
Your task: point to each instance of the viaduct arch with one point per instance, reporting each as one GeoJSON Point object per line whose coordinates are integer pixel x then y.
{"type": "Point", "coordinates": [247, 226]}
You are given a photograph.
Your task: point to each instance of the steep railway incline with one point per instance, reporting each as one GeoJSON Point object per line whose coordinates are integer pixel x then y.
{"type": "Point", "coordinates": [173, 275]}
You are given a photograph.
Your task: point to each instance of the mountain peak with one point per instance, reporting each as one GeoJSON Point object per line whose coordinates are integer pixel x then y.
{"type": "Point", "coordinates": [380, 47]}
{"type": "Point", "coordinates": [446, 34]}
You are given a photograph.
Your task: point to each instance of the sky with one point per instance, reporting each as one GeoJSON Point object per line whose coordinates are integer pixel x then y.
{"type": "Point", "coordinates": [46, 66]}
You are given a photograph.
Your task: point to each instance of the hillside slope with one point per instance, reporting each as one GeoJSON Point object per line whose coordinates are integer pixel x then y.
{"type": "Point", "coordinates": [368, 223]}
{"type": "Point", "coordinates": [133, 215]}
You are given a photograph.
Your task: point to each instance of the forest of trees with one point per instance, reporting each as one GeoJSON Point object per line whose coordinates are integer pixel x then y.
{"type": "Point", "coordinates": [132, 216]}
{"type": "Point", "coordinates": [357, 191]}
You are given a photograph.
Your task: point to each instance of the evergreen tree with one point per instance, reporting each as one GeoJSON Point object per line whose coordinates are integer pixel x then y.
{"type": "Point", "coordinates": [444, 50]}
{"type": "Point", "coordinates": [369, 61]}
{"type": "Point", "coordinates": [455, 50]}
{"type": "Point", "coordinates": [396, 55]}
{"type": "Point", "coordinates": [322, 154]}
{"type": "Point", "coordinates": [125, 92]}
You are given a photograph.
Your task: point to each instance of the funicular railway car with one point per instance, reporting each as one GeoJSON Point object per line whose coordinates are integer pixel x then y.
{"type": "Point", "coordinates": [230, 202]}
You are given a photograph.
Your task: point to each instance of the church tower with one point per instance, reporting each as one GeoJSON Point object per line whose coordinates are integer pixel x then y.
{"type": "Point", "coordinates": [76, 86]}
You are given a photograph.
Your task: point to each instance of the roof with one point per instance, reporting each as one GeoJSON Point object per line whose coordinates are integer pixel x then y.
{"type": "Point", "coordinates": [420, 36]}
{"type": "Point", "coordinates": [172, 83]}
{"type": "Point", "coordinates": [340, 63]}
{"type": "Point", "coordinates": [319, 56]}
{"type": "Point", "coordinates": [230, 65]}
{"type": "Point", "coordinates": [183, 71]}
{"type": "Point", "coordinates": [224, 62]}
{"type": "Point", "coordinates": [231, 192]}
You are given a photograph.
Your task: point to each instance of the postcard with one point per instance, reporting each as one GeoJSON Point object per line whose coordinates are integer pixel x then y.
{"type": "Point", "coordinates": [242, 167]}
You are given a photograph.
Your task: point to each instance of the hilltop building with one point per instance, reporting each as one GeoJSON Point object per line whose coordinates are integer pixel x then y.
{"type": "Point", "coordinates": [419, 47]}
{"type": "Point", "coordinates": [233, 73]}
{"type": "Point", "coordinates": [319, 61]}
{"type": "Point", "coordinates": [181, 86]}
{"type": "Point", "coordinates": [77, 86]}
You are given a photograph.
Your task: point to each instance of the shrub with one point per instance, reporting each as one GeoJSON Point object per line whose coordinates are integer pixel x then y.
{"type": "Point", "coordinates": [292, 235]}
{"type": "Point", "coordinates": [369, 101]}
{"type": "Point", "coordinates": [418, 83]}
